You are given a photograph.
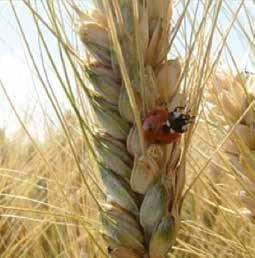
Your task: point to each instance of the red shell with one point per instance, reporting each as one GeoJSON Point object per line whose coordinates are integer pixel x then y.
{"type": "Point", "coordinates": [153, 128]}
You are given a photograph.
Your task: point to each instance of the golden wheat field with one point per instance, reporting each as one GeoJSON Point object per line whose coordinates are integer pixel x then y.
{"type": "Point", "coordinates": [127, 128]}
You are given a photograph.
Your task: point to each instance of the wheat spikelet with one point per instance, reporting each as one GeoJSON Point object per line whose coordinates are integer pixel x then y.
{"type": "Point", "coordinates": [234, 100]}
{"type": "Point", "coordinates": [128, 75]}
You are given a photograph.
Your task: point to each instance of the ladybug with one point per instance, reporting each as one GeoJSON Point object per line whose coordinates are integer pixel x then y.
{"type": "Point", "coordinates": [163, 127]}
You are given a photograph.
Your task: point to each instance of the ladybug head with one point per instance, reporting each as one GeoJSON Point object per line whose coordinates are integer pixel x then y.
{"type": "Point", "coordinates": [179, 120]}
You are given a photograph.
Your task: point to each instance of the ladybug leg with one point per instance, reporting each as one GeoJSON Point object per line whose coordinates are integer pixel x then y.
{"type": "Point", "coordinates": [179, 108]}
{"type": "Point", "coordinates": [187, 120]}
{"type": "Point", "coordinates": [184, 128]}
{"type": "Point", "coordinates": [191, 119]}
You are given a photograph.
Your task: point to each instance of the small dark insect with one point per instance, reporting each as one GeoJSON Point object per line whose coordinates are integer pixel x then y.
{"type": "Point", "coordinates": [109, 249]}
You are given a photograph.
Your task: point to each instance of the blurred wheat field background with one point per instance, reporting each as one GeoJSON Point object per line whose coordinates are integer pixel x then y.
{"type": "Point", "coordinates": [51, 193]}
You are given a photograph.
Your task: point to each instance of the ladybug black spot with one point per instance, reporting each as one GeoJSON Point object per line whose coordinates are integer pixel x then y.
{"type": "Point", "coordinates": [166, 128]}
{"type": "Point", "coordinates": [150, 128]}
{"type": "Point", "coordinates": [158, 141]}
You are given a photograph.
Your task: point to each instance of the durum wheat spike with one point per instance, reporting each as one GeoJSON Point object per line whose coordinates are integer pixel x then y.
{"type": "Point", "coordinates": [128, 75]}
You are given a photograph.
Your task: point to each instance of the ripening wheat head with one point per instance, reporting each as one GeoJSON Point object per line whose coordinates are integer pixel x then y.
{"type": "Point", "coordinates": [234, 101]}
{"type": "Point", "coordinates": [128, 75]}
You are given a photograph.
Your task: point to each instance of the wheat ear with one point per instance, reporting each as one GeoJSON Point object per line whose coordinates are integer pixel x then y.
{"type": "Point", "coordinates": [128, 75]}
{"type": "Point", "coordinates": [234, 99]}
